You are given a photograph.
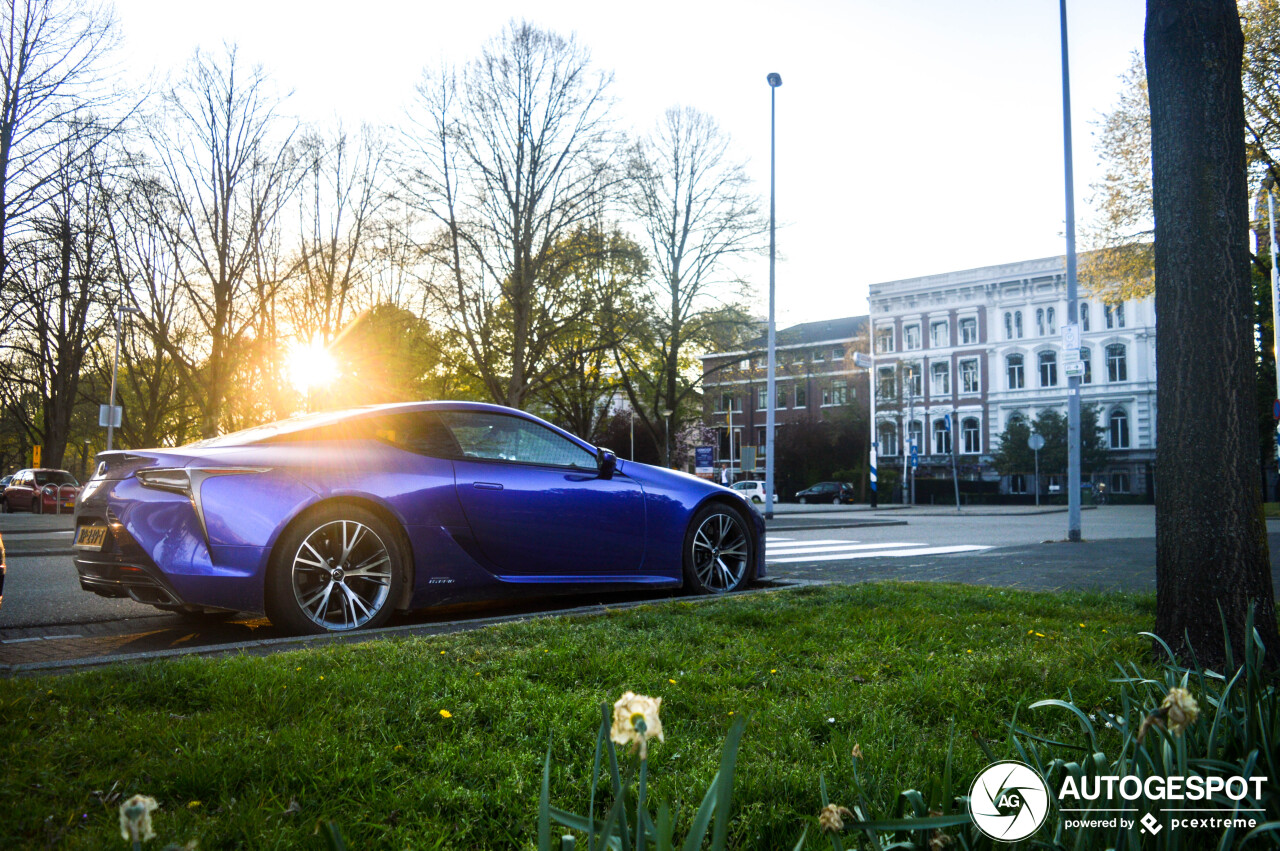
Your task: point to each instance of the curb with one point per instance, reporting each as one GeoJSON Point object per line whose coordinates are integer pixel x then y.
{"type": "Point", "coordinates": [268, 645]}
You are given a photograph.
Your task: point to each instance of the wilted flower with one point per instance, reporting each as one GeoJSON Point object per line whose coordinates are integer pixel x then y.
{"type": "Point", "coordinates": [830, 818]}
{"type": "Point", "coordinates": [635, 720]}
{"type": "Point", "coordinates": [857, 751]}
{"type": "Point", "coordinates": [1181, 709]}
{"type": "Point", "coordinates": [1176, 712]}
{"type": "Point", "coordinates": [135, 818]}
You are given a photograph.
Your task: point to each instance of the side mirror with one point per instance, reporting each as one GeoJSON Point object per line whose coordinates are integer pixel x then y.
{"type": "Point", "coordinates": [606, 463]}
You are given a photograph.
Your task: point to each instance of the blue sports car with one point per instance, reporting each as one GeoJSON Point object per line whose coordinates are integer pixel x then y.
{"type": "Point", "coordinates": [332, 521]}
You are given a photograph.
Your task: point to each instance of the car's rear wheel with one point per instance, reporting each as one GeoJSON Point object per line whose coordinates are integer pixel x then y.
{"type": "Point", "coordinates": [339, 569]}
{"type": "Point", "coordinates": [757, 500]}
{"type": "Point", "coordinates": [719, 555]}
{"type": "Point", "coordinates": [37, 504]}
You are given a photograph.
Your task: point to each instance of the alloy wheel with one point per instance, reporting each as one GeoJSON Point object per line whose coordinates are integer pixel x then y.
{"type": "Point", "coordinates": [341, 575]}
{"type": "Point", "coordinates": [720, 552]}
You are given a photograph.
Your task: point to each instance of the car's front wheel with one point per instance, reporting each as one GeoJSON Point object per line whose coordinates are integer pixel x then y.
{"type": "Point", "coordinates": [835, 501]}
{"type": "Point", "coordinates": [803, 500]}
{"type": "Point", "coordinates": [719, 555]}
{"type": "Point", "coordinates": [340, 568]}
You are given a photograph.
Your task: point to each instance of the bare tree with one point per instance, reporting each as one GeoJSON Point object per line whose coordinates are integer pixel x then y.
{"type": "Point", "coordinates": [507, 158]}
{"type": "Point", "coordinates": [51, 53]}
{"type": "Point", "coordinates": [694, 204]}
{"type": "Point", "coordinates": [1211, 541]}
{"type": "Point", "coordinates": [225, 156]}
{"type": "Point", "coordinates": [59, 285]}
{"type": "Point", "coordinates": [341, 194]}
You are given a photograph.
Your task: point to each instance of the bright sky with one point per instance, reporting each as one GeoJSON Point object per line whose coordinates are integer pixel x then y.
{"type": "Point", "coordinates": [914, 136]}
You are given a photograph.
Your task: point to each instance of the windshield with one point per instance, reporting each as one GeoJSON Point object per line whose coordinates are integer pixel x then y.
{"type": "Point", "coordinates": [55, 477]}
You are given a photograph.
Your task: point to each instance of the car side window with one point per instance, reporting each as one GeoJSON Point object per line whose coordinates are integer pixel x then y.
{"type": "Point", "coordinates": [420, 432]}
{"type": "Point", "coordinates": [498, 437]}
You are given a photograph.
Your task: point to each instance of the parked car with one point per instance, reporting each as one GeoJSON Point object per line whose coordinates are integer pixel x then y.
{"type": "Point", "coordinates": [835, 492]}
{"type": "Point", "coordinates": [331, 522]}
{"type": "Point", "coordinates": [753, 491]}
{"type": "Point", "coordinates": [41, 491]}
{"type": "Point", "coordinates": [4, 483]}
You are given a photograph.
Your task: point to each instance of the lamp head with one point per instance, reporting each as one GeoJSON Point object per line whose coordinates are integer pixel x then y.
{"type": "Point", "coordinates": [1268, 182]}
{"type": "Point", "coordinates": [774, 80]}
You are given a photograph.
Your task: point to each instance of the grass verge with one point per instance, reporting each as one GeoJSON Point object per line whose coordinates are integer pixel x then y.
{"type": "Point", "coordinates": [438, 742]}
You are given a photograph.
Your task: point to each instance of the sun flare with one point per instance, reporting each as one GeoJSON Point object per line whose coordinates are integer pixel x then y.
{"type": "Point", "coordinates": [311, 365]}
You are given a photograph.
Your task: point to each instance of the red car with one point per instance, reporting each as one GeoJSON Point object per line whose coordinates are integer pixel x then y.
{"type": "Point", "coordinates": [41, 491]}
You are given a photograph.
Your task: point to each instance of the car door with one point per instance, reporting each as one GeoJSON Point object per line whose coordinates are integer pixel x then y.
{"type": "Point", "coordinates": [20, 496]}
{"type": "Point", "coordinates": [536, 504]}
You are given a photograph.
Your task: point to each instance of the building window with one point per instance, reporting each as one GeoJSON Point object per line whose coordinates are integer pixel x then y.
{"type": "Point", "coordinates": [939, 334]}
{"type": "Point", "coordinates": [1014, 363]}
{"type": "Point", "coordinates": [885, 385]}
{"type": "Point", "coordinates": [884, 340]}
{"type": "Point", "coordinates": [1008, 325]}
{"type": "Point", "coordinates": [971, 436]}
{"type": "Point", "coordinates": [1039, 321]}
{"type": "Point", "coordinates": [838, 394]}
{"type": "Point", "coordinates": [969, 376]}
{"type": "Point", "coordinates": [762, 399]}
{"type": "Point", "coordinates": [1017, 324]}
{"type": "Point", "coordinates": [888, 439]}
{"type": "Point", "coordinates": [802, 400]}
{"type": "Point", "coordinates": [940, 379]}
{"type": "Point", "coordinates": [731, 403]}
{"type": "Point", "coordinates": [911, 336]}
{"type": "Point", "coordinates": [837, 353]}
{"type": "Point", "coordinates": [941, 437]}
{"type": "Point", "coordinates": [781, 401]}
{"type": "Point", "coordinates": [1048, 369]}
{"type": "Point", "coordinates": [915, 433]}
{"type": "Point", "coordinates": [1086, 358]}
{"type": "Point", "coordinates": [1017, 483]}
{"type": "Point", "coordinates": [1118, 429]}
{"type": "Point", "coordinates": [762, 435]}
{"type": "Point", "coordinates": [1051, 321]}
{"type": "Point", "coordinates": [968, 331]}
{"type": "Point", "coordinates": [818, 355]}
{"type": "Point", "coordinates": [1084, 317]}
{"type": "Point", "coordinates": [1114, 314]}
{"type": "Point", "coordinates": [1116, 367]}
{"type": "Point", "coordinates": [913, 379]}
{"type": "Point", "coordinates": [1119, 482]}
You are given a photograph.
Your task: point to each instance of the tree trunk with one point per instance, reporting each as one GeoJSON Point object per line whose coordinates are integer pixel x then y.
{"type": "Point", "coordinates": [1211, 544]}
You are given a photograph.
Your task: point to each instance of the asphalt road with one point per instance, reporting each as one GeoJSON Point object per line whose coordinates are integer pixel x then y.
{"type": "Point", "coordinates": [46, 617]}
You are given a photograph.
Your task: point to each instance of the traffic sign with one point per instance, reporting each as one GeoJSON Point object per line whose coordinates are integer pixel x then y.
{"type": "Point", "coordinates": [1071, 336]}
{"type": "Point", "coordinates": [1035, 442]}
{"type": "Point", "coordinates": [1073, 370]}
{"type": "Point", "coordinates": [947, 419]}
{"type": "Point", "coordinates": [35, 455]}
{"type": "Point", "coordinates": [1275, 410]}
{"type": "Point", "coordinates": [862, 359]}
{"type": "Point", "coordinates": [117, 410]}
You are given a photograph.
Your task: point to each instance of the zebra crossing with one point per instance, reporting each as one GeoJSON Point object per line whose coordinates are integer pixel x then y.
{"type": "Point", "coordinates": [789, 550]}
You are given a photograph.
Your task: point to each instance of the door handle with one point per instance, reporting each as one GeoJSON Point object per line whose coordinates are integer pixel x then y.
{"type": "Point", "coordinates": [487, 486]}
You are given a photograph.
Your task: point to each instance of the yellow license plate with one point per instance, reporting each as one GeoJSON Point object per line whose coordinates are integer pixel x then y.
{"type": "Point", "coordinates": [91, 537]}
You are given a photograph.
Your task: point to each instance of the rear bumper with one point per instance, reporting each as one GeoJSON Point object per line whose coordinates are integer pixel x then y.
{"type": "Point", "coordinates": [119, 579]}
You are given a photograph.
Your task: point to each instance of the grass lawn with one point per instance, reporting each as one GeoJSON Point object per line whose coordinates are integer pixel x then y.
{"type": "Point", "coordinates": [250, 752]}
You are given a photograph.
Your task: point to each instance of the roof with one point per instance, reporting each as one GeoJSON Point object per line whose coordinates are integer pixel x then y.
{"type": "Point", "coordinates": [806, 334]}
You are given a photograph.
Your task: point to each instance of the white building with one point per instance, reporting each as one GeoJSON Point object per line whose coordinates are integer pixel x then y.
{"type": "Point", "coordinates": [985, 345]}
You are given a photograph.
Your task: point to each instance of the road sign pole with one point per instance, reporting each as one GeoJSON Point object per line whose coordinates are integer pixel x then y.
{"type": "Point", "coordinates": [955, 471]}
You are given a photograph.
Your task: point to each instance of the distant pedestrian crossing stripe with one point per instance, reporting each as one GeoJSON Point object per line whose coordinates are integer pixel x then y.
{"type": "Point", "coordinates": [788, 550]}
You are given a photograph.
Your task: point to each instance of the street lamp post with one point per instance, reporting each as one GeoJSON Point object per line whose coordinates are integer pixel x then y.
{"type": "Point", "coordinates": [1073, 315]}
{"type": "Point", "coordinates": [774, 81]}
{"type": "Point", "coordinates": [115, 371]}
{"type": "Point", "coordinates": [1269, 184]}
